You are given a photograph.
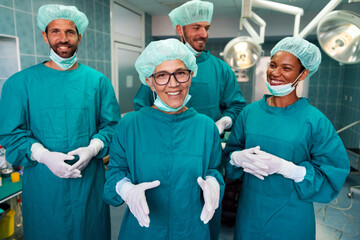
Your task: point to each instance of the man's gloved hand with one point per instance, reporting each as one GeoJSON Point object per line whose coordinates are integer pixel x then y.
{"type": "Point", "coordinates": [211, 193]}
{"type": "Point", "coordinates": [223, 123]}
{"type": "Point", "coordinates": [250, 161]}
{"type": "Point", "coordinates": [54, 161]}
{"type": "Point", "coordinates": [86, 153]}
{"type": "Point", "coordinates": [282, 166]}
{"type": "Point", "coordinates": [134, 196]}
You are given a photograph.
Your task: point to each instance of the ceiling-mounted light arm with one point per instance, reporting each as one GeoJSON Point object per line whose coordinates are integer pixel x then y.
{"type": "Point", "coordinates": [297, 25]}
{"type": "Point", "coordinates": [259, 38]}
{"type": "Point", "coordinates": [246, 14]}
{"type": "Point", "coordinates": [328, 8]}
{"type": "Point", "coordinates": [246, 9]}
{"type": "Point", "coordinates": [262, 24]}
{"type": "Point", "coordinates": [280, 7]}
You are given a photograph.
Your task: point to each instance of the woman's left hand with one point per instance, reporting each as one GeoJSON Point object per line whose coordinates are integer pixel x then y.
{"type": "Point", "coordinates": [281, 166]}
{"type": "Point", "coordinates": [211, 193]}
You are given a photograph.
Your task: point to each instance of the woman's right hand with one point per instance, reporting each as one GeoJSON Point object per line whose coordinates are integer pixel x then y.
{"type": "Point", "coordinates": [134, 196]}
{"type": "Point", "coordinates": [249, 161]}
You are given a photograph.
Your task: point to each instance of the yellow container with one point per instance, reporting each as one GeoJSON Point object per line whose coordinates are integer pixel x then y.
{"type": "Point", "coordinates": [7, 225]}
{"type": "Point", "coordinates": [15, 177]}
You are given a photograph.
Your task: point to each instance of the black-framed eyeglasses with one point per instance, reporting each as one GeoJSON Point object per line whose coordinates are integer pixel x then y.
{"type": "Point", "coordinates": [163, 77]}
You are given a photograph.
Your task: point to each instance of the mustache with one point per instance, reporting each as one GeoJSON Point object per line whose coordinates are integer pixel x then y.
{"type": "Point", "coordinates": [201, 39]}
{"type": "Point", "coordinates": [65, 44]}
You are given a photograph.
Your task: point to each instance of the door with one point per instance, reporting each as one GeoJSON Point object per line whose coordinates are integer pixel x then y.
{"type": "Point", "coordinates": [127, 80]}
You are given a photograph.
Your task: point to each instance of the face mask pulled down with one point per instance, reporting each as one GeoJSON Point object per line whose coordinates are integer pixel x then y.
{"type": "Point", "coordinates": [63, 63]}
{"type": "Point", "coordinates": [283, 90]}
{"type": "Point", "coordinates": [166, 108]}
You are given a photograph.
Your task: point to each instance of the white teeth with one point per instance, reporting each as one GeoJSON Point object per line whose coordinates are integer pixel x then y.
{"type": "Point", "coordinates": [276, 82]}
{"type": "Point", "coordinates": [173, 93]}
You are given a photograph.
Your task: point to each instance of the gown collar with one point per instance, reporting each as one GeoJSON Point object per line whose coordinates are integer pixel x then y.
{"type": "Point", "coordinates": [157, 114]}
{"type": "Point", "coordinates": [45, 68]}
{"type": "Point", "coordinates": [296, 106]}
{"type": "Point", "coordinates": [203, 56]}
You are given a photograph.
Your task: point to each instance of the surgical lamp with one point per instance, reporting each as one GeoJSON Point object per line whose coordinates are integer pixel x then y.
{"type": "Point", "coordinates": [243, 52]}
{"type": "Point", "coordinates": [339, 36]}
{"type": "Point", "coordinates": [338, 33]}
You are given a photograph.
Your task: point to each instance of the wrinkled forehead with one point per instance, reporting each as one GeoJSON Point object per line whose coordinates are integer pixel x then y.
{"type": "Point", "coordinates": [61, 24]}
{"type": "Point", "coordinates": [170, 65]}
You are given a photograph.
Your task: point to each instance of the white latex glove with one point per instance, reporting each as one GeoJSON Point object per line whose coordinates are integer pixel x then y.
{"type": "Point", "coordinates": [54, 161]}
{"type": "Point", "coordinates": [86, 153]}
{"type": "Point", "coordinates": [283, 167]}
{"type": "Point", "coordinates": [134, 196]}
{"type": "Point", "coordinates": [211, 193]}
{"type": "Point", "coordinates": [250, 161]}
{"type": "Point", "coordinates": [223, 123]}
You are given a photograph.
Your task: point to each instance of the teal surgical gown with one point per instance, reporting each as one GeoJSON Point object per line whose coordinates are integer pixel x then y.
{"type": "Point", "coordinates": [63, 110]}
{"type": "Point", "coordinates": [175, 149]}
{"type": "Point", "coordinates": [277, 207]}
{"type": "Point", "coordinates": [214, 91]}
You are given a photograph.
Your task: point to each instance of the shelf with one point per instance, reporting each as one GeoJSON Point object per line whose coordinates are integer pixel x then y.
{"type": "Point", "coordinates": [9, 189]}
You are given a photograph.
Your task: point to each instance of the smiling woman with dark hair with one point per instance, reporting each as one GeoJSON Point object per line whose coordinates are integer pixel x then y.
{"type": "Point", "coordinates": [289, 151]}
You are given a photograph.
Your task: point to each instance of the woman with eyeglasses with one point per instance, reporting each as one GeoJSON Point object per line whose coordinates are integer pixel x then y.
{"type": "Point", "coordinates": [163, 158]}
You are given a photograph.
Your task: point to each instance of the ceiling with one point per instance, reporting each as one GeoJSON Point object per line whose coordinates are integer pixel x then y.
{"type": "Point", "coordinates": [224, 8]}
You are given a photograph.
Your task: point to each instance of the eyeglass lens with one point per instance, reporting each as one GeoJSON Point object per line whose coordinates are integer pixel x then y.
{"type": "Point", "coordinates": [163, 77]}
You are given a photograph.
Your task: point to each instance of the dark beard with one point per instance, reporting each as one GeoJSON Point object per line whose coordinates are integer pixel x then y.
{"type": "Point", "coordinates": [67, 55]}
{"type": "Point", "coordinates": [202, 39]}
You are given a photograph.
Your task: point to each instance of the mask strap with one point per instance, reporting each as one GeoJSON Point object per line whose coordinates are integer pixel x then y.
{"type": "Point", "coordinates": [182, 31]}
{"type": "Point", "coordinates": [153, 92]}
{"type": "Point", "coordinates": [153, 95]}
{"type": "Point", "coordinates": [48, 41]}
{"type": "Point", "coordinates": [296, 80]}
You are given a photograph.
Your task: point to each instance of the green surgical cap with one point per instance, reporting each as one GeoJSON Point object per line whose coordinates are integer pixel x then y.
{"type": "Point", "coordinates": [308, 54]}
{"type": "Point", "coordinates": [48, 13]}
{"type": "Point", "coordinates": [192, 12]}
{"type": "Point", "coordinates": [159, 51]}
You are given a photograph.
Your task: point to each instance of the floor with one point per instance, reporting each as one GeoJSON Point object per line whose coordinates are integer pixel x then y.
{"type": "Point", "coordinates": [341, 218]}
{"type": "Point", "coordinates": [338, 220]}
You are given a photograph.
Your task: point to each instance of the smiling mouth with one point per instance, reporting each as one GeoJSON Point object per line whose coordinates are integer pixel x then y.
{"type": "Point", "coordinates": [63, 48]}
{"type": "Point", "coordinates": [276, 82]}
{"type": "Point", "coordinates": [173, 93]}
{"type": "Point", "coordinates": [200, 42]}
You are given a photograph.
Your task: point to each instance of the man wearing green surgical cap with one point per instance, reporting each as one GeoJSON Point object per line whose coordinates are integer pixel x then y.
{"type": "Point", "coordinates": [215, 91]}
{"type": "Point", "coordinates": [57, 120]}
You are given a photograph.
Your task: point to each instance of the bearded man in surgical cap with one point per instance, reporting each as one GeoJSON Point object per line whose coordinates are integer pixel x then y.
{"type": "Point", "coordinates": [57, 120]}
